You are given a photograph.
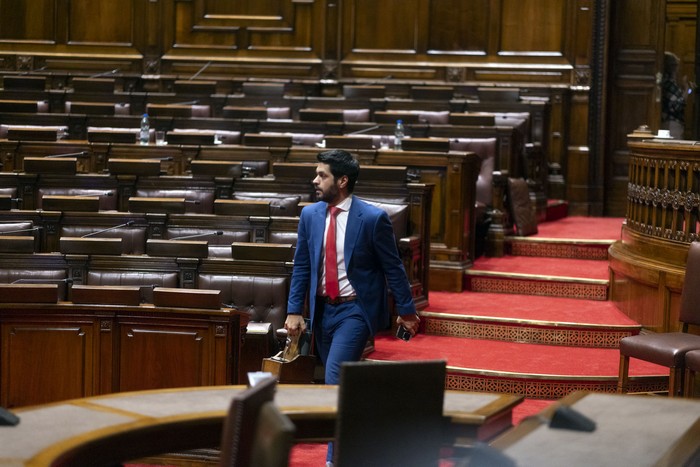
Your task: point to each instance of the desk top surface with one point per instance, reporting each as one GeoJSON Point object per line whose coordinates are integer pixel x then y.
{"type": "Point", "coordinates": [630, 430]}
{"type": "Point", "coordinates": [45, 431]}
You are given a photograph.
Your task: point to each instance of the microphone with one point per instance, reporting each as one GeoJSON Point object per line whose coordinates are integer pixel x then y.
{"type": "Point", "coordinates": [69, 154]}
{"type": "Point", "coordinates": [97, 232]}
{"type": "Point", "coordinates": [33, 229]}
{"type": "Point", "coordinates": [364, 130]}
{"type": "Point", "coordinates": [196, 101]}
{"type": "Point", "coordinates": [196, 202]}
{"type": "Point", "coordinates": [104, 73]}
{"type": "Point", "coordinates": [39, 281]}
{"type": "Point", "coordinates": [207, 234]}
{"type": "Point", "coordinates": [29, 72]}
{"type": "Point", "coordinates": [199, 72]}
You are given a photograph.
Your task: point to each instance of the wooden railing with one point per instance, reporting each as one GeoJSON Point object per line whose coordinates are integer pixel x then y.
{"type": "Point", "coordinates": [647, 264]}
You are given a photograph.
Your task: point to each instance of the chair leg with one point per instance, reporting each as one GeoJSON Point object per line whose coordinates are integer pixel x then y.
{"type": "Point", "coordinates": [675, 382]}
{"type": "Point", "coordinates": [689, 384]}
{"type": "Point", "coordinates": [623, 376]}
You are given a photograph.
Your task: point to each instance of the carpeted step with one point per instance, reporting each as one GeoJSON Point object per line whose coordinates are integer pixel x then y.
{"type": "Point", "coordinates": [570, 237]}
{"type": "Point", "coordinates": [554, 277]}
{"type": "Point", "coordinates": [558, 247]}
{"type": "Point", "coordinates": [525, 318]}
{"type": "Point", "coordinates": [535, 371]}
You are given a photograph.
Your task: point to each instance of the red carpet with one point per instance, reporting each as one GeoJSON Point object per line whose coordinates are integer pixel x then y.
{"type": "Point", "coordinates": [582, 228]}
{"type": "Point", "coordinates": [528, 307]}
{"type": "Point", "coordinates": [510, 356]}
{"type": "Point", "coordinates": [558, 267]}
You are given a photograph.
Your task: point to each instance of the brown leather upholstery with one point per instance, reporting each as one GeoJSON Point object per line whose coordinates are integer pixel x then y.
{"type": "Point", "coordinates": [299, 139]}
{"type": "Point", "coordinates": [668, 349]}
{"type": "Point", "coordinates": [356, 115]}
{"type": "Point", "coordinates": [219, 245]}
{"type": "Point", "coordinates": [397, 211]}
{"type": "Point", "coordinates": [280, 204]}
{"type": "Point", "coordinates": [133, 238]}
{"type": "Point", "coordinates": [108, 197]}
{"type": "Point", "coordinates": [485, 148]}
{"type": "Point", "coordinates": [196, 201]}
{"type": "Point", "coordinates": [147, 280]}
{"type": "Point", "coordinates": [521, 207]}
{"type": "Point", "coordinates": [264, 298]}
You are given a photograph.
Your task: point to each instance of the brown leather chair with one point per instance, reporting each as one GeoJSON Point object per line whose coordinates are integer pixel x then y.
{"type": "Point", "coordinates": [255, 433]}
{"type": "Point", "coordinates": [668, 349]}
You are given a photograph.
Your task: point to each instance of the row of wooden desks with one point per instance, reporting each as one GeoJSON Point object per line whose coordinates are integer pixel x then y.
{"type": "Point", "coordinates": [125, 426]}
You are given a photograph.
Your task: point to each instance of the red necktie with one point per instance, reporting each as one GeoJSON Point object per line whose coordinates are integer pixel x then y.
{"type": "Point", "coordinates": [332, 287]}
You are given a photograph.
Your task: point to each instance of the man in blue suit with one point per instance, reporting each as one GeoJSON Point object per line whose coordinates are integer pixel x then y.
{"type": "Point", "coordinates": [346, 312]}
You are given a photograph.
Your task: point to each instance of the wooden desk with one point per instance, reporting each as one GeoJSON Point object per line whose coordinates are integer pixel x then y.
{"type": "Point", "coordinates": [120, 427]}
{"type": "Point", "coordinates": [630, 430]}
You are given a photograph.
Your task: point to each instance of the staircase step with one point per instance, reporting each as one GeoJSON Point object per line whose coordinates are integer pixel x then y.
{"type": "Point", "coordinates": [554, 277]}
{"type": "Point", "coordinates": [558, 247]}
{"type": "Point", "coordinates": [523, 318]}
{"type": "Point", "coordinates": [535, 371]}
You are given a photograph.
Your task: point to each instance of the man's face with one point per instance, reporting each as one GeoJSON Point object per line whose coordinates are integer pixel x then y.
{"type": "Point", "coordinates": [327, 188]}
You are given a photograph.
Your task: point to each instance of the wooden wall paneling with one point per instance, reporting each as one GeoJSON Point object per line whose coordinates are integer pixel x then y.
{"type": "Point", "coordinates": [270, 38]}
{"type": "Point", "coordinates": [66, 348]}
{"type": "Point", "coordinates": [33, 22]}
{"type": "Point", "coordinates": [681, 25]}
{"type": "Point", "coordinates": [164, 354]}
{"type": "Point", "coordinates": [519, 37]}
{"type": "Point", "coordinates": [634, 99]}
{"type": "Point", "coordinates": [577, 164]}
{"type": "Point", "coordinates": [581, 37]}
{"type": "Point", "coordinates": [458, 28]}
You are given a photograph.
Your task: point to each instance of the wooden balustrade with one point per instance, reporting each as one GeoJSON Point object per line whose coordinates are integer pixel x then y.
{"type": "Point", "coordinates": [648, 262]}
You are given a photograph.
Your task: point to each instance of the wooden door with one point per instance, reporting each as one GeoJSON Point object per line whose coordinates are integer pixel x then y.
{"type": "Point", "coordinates": [633, 93]}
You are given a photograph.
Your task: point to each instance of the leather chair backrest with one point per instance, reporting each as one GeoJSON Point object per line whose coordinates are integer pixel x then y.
{"type": "Point", "coordinates": [397, 211]}
{"type": "Point", "coordinates": [8, 276]}
{"type": "Point", "coordinates": [299, 139]}
{"type": "Point", "coordinates": [133, 238]}
{"type": "Point", "coordinates": [280, 204]}
{"type": "Point", "coordinates": [108, 197]}
{"type": "Point", "coordinates": [279, 113]}
{"type": "Point", "coordinates": [485, 148]}
{"type": "Point", "coordinates": [440, 117]}
{"type": "Point", "coordinates": [14, 226]}
{"type": "Point", "coordinates": [264, 298]}
{"type": "Point", "coordinates": [356, 115]}
{"type": "Point", "coordinates": [196, 201]}
{"type": "Point", "coordinates": [690, 296]}
{"type": "Point", "coordinates": [283, 237]}
{"type": "Point", "coordinates": [134, 278]}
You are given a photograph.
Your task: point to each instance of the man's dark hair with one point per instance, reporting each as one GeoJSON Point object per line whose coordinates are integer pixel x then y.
{"type": "Point", "coordinates": [341, 163]}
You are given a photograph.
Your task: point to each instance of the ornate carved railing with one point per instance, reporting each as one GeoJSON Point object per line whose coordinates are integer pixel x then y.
{"type": "Point", "coordinates": [664, 189]}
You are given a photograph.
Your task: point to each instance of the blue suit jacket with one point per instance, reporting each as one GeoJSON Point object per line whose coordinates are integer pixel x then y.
{"type": "Point", "coordinates": [371, 260]}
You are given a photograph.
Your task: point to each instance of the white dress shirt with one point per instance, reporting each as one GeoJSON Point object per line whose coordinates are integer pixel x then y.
{"type": "Point", "coordinates": [340, 228]}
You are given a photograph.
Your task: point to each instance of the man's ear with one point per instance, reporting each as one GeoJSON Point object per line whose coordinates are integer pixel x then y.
{"type": "Point", "coordinates": [343, 181]}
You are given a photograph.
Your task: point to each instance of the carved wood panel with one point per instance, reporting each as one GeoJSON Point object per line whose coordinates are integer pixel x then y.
{"type": "Point", "coordinates": [163, 356]}
{"type": "Point", "coordinates": [44, 362]}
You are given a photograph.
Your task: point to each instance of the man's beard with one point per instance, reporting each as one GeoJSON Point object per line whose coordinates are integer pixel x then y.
{"type": "Point", "coordinates": [329, 196]}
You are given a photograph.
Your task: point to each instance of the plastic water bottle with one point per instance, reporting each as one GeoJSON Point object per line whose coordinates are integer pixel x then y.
{"type": "Point", "coordinates": [398, 135]}
{"type": "Point", "coordinates": [144, 134]}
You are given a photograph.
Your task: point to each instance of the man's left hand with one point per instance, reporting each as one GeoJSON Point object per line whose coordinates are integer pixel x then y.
{"type": "Point", "coordinates": [409, 322]}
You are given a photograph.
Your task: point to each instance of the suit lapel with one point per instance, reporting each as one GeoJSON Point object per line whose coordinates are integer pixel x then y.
{"type": "Point", "coordinates": [319, 227]}
{"type": "Point", "coordinates": [352, 230]}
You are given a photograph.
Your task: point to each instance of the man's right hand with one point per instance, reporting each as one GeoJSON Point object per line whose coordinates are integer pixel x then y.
{"type": "Point", "coordinates": [294, 324]}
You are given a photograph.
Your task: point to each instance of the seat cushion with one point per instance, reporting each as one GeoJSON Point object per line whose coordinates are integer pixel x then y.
{"type": "Point", "coordinates": [667, 349]}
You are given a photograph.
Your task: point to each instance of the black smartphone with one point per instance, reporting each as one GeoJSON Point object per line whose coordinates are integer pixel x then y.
{"type": "Point", "coordinates": [403, 334]}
